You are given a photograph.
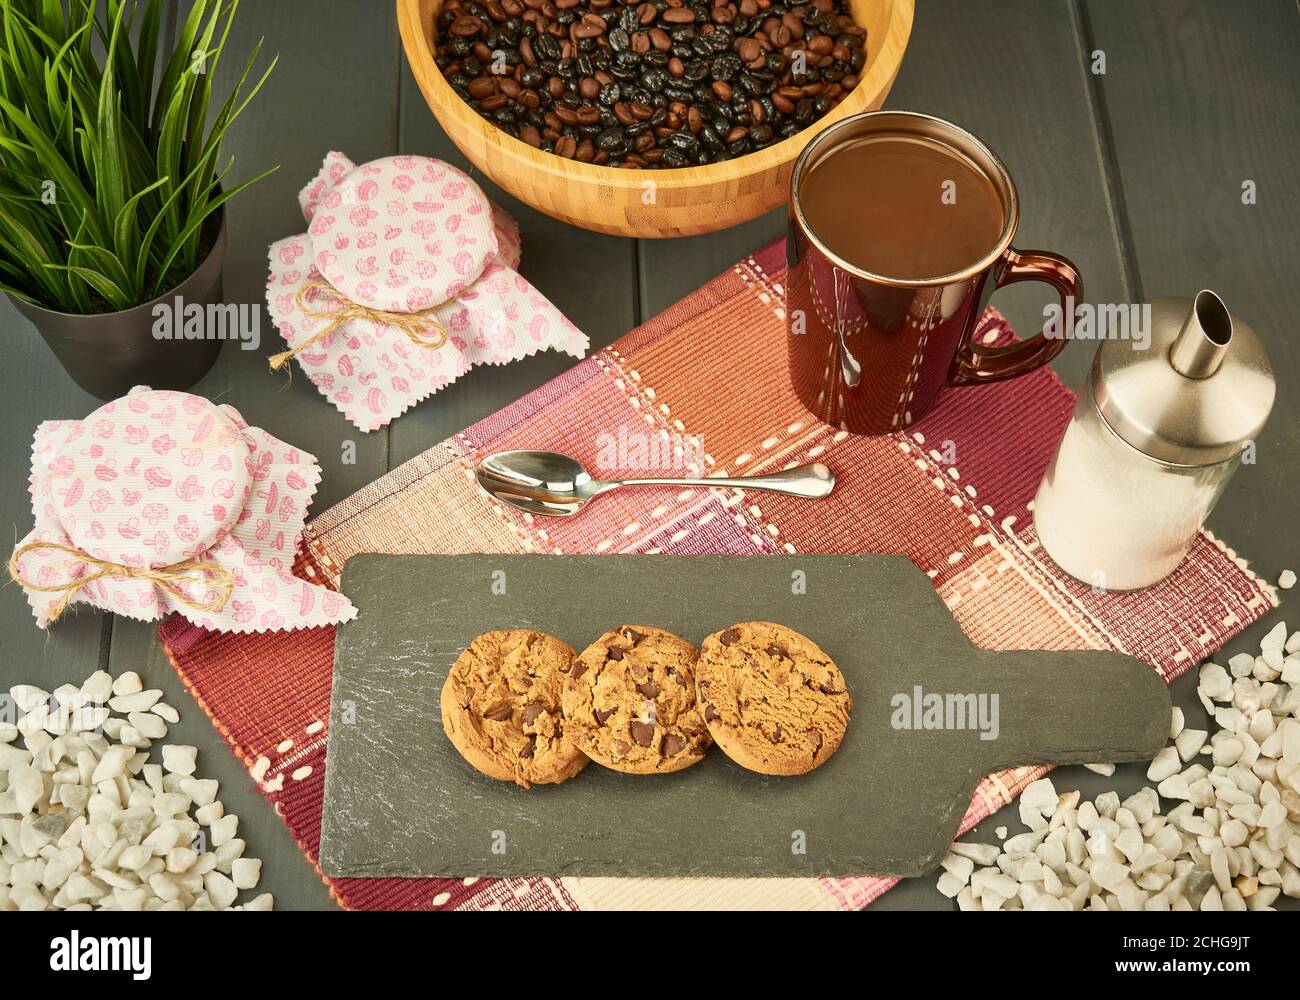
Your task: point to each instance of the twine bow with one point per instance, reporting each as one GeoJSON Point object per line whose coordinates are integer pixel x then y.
{"type": "Point", "coordinates": [415, 327]}
{"type": "Point", "coordinates": [168, 577]}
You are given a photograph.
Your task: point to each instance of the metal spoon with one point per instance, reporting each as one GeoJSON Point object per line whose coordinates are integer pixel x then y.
{"type": "Point", "coordinates": [545, 482]}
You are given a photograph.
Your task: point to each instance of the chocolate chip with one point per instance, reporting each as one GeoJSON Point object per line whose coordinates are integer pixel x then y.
{"type": "Point", "coordinates": [634, 635]}
{"type": "Point", "coordinates": [649, 689]}
{"type": "Point", "coordinates": [531, 711]}
{"type": "Point", "coordinates": [775, 650]}
{"type": "Point", "coordinates": [579, 668]}
{"type": "Point", "coordinates": [498, 714]}
{"type": "Point", "coordinates": [620, 748]}
{"type": "Point", "coordinates": [529, 747]}
{"type": "Point", "coordinates": [710, 713]}
{"type": "Point", "coordinates": [601, 716]}
{"type": "Point", "coordinates": [642, 732]}
{"type": "Point", "coordinates": [672, 745]}
{"type": "Point", "coordinates": [613, 654]}
{"type": "Point", "coordinates": [827, 689]}
{"type": "Point", "coordinates": [776, 734]}
{"type": "Point", "coordinates": [729, 636]}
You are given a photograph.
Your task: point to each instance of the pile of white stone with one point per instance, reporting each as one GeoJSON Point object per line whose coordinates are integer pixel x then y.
{"type": "Point", "coordinates": [1232, 841]}
{"type": "Point", "coordinates": [87, 822]}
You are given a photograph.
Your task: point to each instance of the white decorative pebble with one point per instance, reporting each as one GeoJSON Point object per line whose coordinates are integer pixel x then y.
{"type": "Point", "coordinates": [245, 872]}
{"type": "Point", "coordinates": [1286, 580]}
{"type": "Point", "coordinates": [223, 829]}
{"type": "Point", "coordinates": [1040, 795]}
{"type": "Point", "coordinates": [1232, 841]}
{"type": "Point", "coordinates": [1166, 762]}
{"type": "Point", "coordinates": [27, 697]}
{"type": "Point", "coordinates": [88, 822]}
{"type": "Point", "coordinates": [179, 759]}
{"type": "Point", "coordinates": [1276, 637]}
{"type": "Point", "coordinates": [127, 683]}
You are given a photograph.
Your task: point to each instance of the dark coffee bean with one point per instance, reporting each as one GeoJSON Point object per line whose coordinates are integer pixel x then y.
{"type": "Point", "coordinates": [626, 65]}
{"type": "Point", "coordinates": [547, 47]}
{"type": "Point", "coordinates": [613, 141]}
{"type": "Point", "coordinates": [650, 84]}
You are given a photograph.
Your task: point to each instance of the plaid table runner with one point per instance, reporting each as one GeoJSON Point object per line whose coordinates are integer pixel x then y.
{"type": "Point", "coordinates": [952, 493]}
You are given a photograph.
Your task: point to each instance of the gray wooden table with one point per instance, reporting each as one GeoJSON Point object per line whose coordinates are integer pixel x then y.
{"type": "Point", "coordinates": [1135, 173]}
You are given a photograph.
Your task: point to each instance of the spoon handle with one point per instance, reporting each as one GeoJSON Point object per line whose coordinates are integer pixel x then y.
{"type": "Point", "coordinates": [812, 480]}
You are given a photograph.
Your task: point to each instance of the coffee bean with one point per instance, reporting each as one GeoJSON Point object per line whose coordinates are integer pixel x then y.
{"type": "Point", "coordinates": [649, 84]}
{"type": "Point", "coordinates": [466, 26]}
{"type": "Point", "coordinates": [482, 87]}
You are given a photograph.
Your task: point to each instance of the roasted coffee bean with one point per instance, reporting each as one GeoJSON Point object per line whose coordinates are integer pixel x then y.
{"type": "Point", "coordinates": [649, 84]}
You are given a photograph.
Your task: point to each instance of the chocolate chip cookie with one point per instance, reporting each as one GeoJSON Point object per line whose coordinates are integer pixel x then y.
{"type": "Point", "coordinates": [630, 702]}
{"type": "Point", "coordinates": [773, 700]}
{"type": "Point", "coordinates": [501, 707]}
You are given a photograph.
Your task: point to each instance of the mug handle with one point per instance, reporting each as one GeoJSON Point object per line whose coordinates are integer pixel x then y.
{"type": "Point", "coordinates": [977, 365]}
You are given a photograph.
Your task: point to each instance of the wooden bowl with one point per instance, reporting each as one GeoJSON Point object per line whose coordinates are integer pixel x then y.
{"type": "Point", "coordinates": [687, 200]}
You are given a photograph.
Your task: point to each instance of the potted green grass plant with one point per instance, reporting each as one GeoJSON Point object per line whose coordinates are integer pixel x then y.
{"type": "Point", "coordinates": [111, 181]}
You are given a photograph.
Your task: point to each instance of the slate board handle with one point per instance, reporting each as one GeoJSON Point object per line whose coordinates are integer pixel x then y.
{"type": "Point", "coordinates": [1100, 707]}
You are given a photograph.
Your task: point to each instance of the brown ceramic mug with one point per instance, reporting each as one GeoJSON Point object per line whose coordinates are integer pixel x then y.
{"type": "Point", "coordinates": [870, 353]}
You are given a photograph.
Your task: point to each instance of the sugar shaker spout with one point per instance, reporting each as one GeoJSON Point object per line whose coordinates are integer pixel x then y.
{"type": "Point", "coordinates": [1198, 350]}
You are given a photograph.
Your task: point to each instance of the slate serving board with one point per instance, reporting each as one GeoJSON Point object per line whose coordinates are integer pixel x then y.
{"type": "Point", "coordinates": [400, 801]}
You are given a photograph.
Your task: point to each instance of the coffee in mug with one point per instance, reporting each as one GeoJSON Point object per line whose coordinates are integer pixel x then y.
{"type": "Point", "coordinates": [900, 230]}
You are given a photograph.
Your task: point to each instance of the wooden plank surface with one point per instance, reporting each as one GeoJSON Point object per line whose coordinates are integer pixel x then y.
{"type": "Point", "coordinates": [1195, 99]}
{"type": "Point", "coordinates": [1135, 174]}
{"type": "Point", "coordinates": [346, 60]}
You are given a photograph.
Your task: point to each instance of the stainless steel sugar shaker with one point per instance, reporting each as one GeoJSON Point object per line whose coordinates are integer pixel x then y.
{"type": "Point", "coordinates": [1154, 438]}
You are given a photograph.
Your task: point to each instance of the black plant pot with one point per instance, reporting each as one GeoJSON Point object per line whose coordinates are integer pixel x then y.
{"type": "Point", "coordinates": [109, 353]}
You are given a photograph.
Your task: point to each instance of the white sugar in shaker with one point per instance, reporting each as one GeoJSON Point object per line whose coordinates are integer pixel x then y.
{"type": "Point", "coordinates": [1154, 438]}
